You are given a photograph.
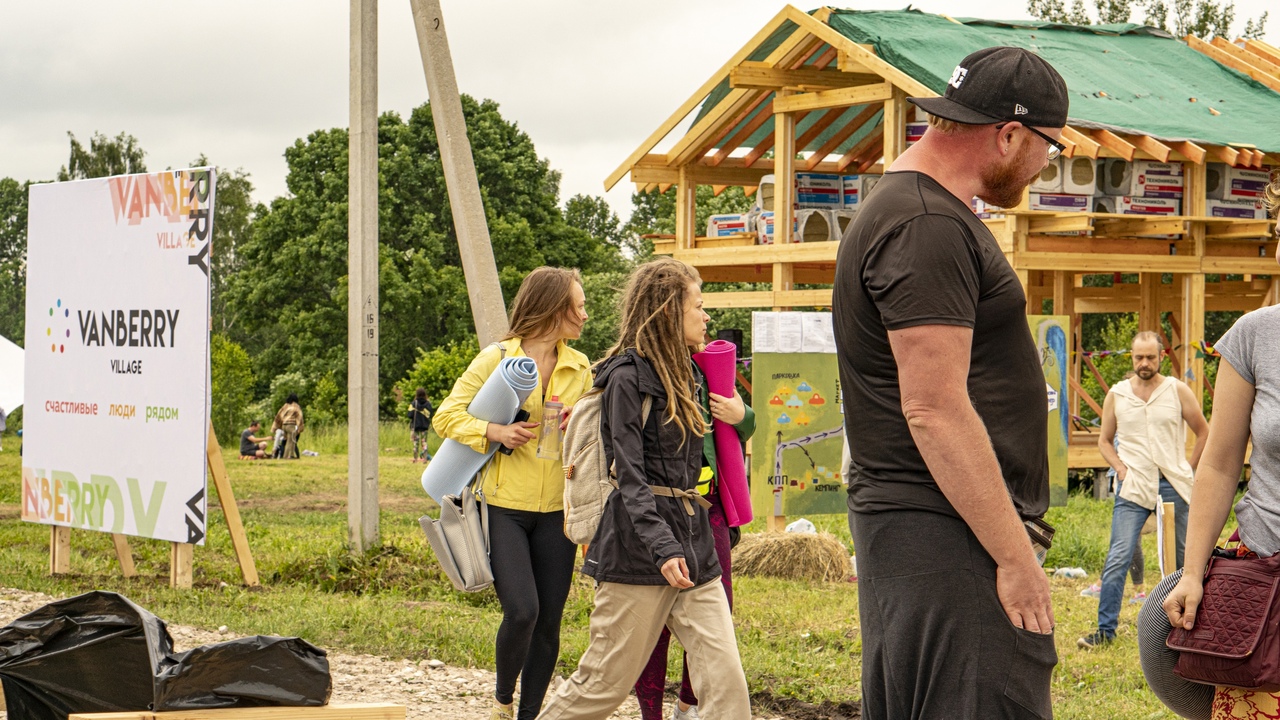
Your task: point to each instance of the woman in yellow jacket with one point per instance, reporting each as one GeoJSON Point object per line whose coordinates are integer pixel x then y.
{"type": "Point", "coordinates": [531, 558]}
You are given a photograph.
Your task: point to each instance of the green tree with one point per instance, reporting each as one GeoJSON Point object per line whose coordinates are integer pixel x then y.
{"type": "Point", "coordinates": [1202, 18]}
{"type": "Point", "coordinates": [233, 215]}
{"type": "Point", "coordinates": [436, 370]}
{"type": "Point", "coordinates": [232, 386]}
{"type": "Point", "coordinates": [13, 258]}
{"type": "Point", "coordinates": [105, 156]}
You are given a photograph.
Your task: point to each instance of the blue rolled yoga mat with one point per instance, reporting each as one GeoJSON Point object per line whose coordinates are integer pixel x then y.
{"type": "Point", "coordinates": [498, 401]}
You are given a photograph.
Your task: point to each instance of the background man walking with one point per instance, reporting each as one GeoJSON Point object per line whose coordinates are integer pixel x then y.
{"type": "Point", "coordinates": [1148, 414]}
{"type": "Point", "coordinates": [946, 408]}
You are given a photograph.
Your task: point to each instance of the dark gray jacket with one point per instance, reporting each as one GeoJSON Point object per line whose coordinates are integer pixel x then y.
{"type": "Point", "coordinates": [640, 531]}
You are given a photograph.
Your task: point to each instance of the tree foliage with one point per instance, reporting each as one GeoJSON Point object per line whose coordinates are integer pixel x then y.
{"type": "Point", "coordinates": [105, 156]}
{"type": "Point", "coordinates": [1202, 18]}
{"type": "Point", "coordinates": [232, 391]}
{"type": "Point", "coordinates": [13, 258]}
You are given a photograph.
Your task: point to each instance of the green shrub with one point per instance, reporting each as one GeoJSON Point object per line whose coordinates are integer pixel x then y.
{"type": "Point", "coordinates": [436, 370]}
{"type": "Point", "coordinates": [232, 392]}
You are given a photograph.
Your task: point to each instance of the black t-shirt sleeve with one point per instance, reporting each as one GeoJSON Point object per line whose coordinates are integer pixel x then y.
{"type": "Point", "coordinates": [925, 272]}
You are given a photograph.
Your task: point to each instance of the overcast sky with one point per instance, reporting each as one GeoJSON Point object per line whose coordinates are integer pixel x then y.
{"type": "Point", "coordinates": [240, 81]}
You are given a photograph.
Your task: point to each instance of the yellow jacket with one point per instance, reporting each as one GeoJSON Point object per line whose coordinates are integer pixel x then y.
{"type": "Point", "coordinates": [521, 480]}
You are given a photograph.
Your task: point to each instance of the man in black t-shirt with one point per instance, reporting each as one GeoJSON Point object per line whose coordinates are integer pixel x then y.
{"type": "Point", "coordinates": [251, 446]}
{"type": "Point", "coordinates": [946, 409]}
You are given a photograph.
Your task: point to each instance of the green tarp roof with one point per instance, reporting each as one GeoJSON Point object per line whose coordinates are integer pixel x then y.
{"type": "Point", "coordinates": [1126, 78]}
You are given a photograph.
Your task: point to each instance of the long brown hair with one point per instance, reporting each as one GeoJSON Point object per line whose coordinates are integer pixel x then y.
{"type": "Point", "coordinates": [544, 299]}
{"type": "Point", "coordinates": [653, 323]}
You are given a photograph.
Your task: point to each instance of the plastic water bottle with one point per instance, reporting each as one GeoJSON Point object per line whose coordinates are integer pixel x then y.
{"type": "Point", "coordinates": [549, 433]}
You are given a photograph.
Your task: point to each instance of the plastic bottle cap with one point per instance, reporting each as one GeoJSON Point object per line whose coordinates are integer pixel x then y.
{"type": "Point", "coordinates": [555, 398]}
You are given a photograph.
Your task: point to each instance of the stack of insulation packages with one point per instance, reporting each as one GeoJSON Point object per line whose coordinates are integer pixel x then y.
{"type": "Point", "coordinates": [1140, 187]}
{"type": "Point", "coordinates": [824, 206]}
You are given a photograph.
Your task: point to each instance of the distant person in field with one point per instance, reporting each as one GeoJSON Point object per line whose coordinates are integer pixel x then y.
{"type": "Point", "coordinates": [420, 412]}
{"type": "Point", "coordinates": [288, 419]}
{"type": "Point", "coordinates": [253, 447]}
{"type": "Point", "coordinates": [1148, 415]}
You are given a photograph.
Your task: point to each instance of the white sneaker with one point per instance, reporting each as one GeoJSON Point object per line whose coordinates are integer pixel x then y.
{"type": "Point", "coordinates": [678, 714]}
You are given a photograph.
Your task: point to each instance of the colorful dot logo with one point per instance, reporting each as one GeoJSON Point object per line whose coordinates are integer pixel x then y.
{"type": "Point", "coordinates": [66, 313]}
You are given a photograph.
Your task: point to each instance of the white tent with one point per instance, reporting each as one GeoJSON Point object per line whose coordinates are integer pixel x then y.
{"type": "Point", "coordinates": [11, 375]}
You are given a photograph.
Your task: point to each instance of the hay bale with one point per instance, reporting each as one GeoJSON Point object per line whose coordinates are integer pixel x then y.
{"type": "Point", "coordinates": [792, 556]}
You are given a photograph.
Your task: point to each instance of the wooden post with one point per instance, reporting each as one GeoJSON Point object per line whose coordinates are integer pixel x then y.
{"type": "Point", "coordinates": [230, 511]}
{"type": "Point", "coordinates": [686, 208]}
{"type": "Point", "coordinates": [784, 194]}
{"type": "Point", "coordinates": [487, 306]}
{"type": "Point", "coordinates": [1149, 302]}
{"type": "Point", "coordinates": [1169, 546]}
{"type": "Point", "coordinates": [180, 565]}
{"type": "Point", "coordinates": [895, 126]}
{"type": "Point", "coordinates": [362, 296]}
{"type": "Point", "coordinates": [59, 550]}
{"type": "Point", "coordinates": [1193, 287]}
{"type": "Point", "coordinates": [124, 554]}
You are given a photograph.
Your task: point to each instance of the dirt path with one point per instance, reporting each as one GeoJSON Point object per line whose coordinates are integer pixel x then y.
{"type": "Point", "coordinates": [429, 689]}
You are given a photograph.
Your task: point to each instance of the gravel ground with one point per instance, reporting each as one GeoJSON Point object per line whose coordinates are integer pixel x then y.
{"type": "Point", "coordinates": [428, 689]}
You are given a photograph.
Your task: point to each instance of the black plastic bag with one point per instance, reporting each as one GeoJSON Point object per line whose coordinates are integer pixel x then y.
{"type": "Point", "coordinates": [96, 652]}
{"type": "Point", "coordinates": [258, 671]}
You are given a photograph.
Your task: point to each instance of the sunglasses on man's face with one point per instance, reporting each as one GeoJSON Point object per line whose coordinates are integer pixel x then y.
{"type": "Point", "coordinates": [1055, 148]}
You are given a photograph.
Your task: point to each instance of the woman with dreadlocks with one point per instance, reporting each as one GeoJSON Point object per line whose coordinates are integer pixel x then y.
{"type": "Point", "coordinates": [653, 557]}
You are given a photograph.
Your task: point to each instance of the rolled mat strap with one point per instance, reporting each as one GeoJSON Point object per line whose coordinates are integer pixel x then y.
{"type": "Point", "coordinates": [719, 364]}
{"type": "Point", "coordinates": [684, 495]}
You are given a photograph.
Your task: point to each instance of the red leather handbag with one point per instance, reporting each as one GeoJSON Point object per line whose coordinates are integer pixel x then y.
{"type": "Point", "coordinates": [1236, 638]}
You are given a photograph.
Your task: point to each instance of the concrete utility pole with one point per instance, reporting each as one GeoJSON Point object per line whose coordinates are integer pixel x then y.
{"type": "Point", "coordinates": [362, 297]}
{"type": "Point", "coordinates": [487, 306]}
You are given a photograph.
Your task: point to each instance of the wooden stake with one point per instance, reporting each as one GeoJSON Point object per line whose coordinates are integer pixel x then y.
{"type": "Point", "coordinates": [124, 554]}
{"type": "Point", "coordinates": [59, 550]}
{"type": "Point", "coordinates": [1169, 548]}
{"type": "Point", "coordinates": [230, 511]}
{"type": "Point", "coordinates": [180, 565]}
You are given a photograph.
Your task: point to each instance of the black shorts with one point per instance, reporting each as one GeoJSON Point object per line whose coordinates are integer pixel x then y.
{"type": "Point", "coordinates": [936, 643]}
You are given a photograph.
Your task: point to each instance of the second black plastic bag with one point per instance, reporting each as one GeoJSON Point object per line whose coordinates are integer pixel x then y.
{"type": "Point", "coordinates": [258, 671]}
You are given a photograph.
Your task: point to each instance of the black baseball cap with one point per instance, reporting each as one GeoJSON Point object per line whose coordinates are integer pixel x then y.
{"type": "Point", "coordinates": [1002, 84]}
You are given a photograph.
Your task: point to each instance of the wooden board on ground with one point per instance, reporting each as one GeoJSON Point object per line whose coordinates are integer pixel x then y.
{"type": "Point", "coordinates": [354, 711]}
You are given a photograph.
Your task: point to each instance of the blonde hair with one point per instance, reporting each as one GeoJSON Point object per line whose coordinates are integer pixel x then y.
{"type": "Point", "coordinates": [544, 299]}
{"type": "Point", "coordinates": [653, 323]}
{"type": "Point", "coordinates": [943, 125]}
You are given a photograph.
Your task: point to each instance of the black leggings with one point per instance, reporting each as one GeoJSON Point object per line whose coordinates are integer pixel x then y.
{"type": "Point", "coordinates": [532, 569]}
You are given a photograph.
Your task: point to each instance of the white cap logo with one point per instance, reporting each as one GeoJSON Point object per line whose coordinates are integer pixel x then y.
{"type": "Point", "coordinates": [957, 77]}
{"type": "Point", "coordinates": [1019, 110]}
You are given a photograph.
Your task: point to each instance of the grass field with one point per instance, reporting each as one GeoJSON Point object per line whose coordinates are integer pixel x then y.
{"type": "Point", "coordinates": [798, 640]}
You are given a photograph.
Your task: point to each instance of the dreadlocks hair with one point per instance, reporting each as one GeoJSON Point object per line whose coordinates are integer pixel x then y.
{"type": "Point", "coordinates": [653, 323]}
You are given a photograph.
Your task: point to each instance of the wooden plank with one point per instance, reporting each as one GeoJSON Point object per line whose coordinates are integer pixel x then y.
{"type": "Point", "coordinates": [1248, 59]}
{"type": "Point", "coordinates": [1263, 50]}
{"type": "Point", "coordinates": [1238, 265]}
{"type": "Point", "coordinates": [701, 174]}
{"type": "Point", "coordinates": [1148, 302]}
{"type": "Point", "coordinates": [875, 139]}
{"type": "Point", "coordinates": [231, 511]}
{"type": "Point", "coordinates": [842, 97]}
{"type": "Point", "coordinates": [838, 139]}
{"type": "Point", "coordinates": [817, 128]}
{"type": "Point", "coordinates": [1151, 146]}
{"type": "Point", "coordinates": [353, 711]}
{"type": "Point", "coordinates": [180, 565]}
{"type": "Point", "coordinates": [1061, 222]}
{"type": "Point", "coordinates": [1081, 457]}
{"type": "Point", "coordinates": [1063, 288]}
{"type": "Point", "coordinates": [1084, 145]}
{"type": "Point", "coordinates": [858, 53]}
{"type": "Point", "coordinates": [734, 142]}
{"type": "Point", "coordinates": [1138, 225]}
{"type": "Point", "coordinates": [1239, 229]}
{"type": "Point", "coordinates": [59, 550]}
{"type": "Point", "coordinates": [686, 212]}
{"type": "Point", "coordinates": [1084, 395]}
{"type": "Point", "coordinates": [1168, 533]}
{"type": "Point", "coordinates": [1114, 142]}
{"type": "Point", "coordinates": [784, 189]}
{"type": "Point", "coordinates": [809, 252]}
{"type": "Point", "coordinates": [895, 126]}
{"type": "Point", "coordinates": [124, 554]}
{"type": "Point", "coordinates": [1224, 154]}
{"type": "Point", "coordinates": [763, 76]}
{"type": "Point", "coordinates": [696, 98]}
{"type": "Point", "coordinates": [1224, 58]}
{"type": "Point", "coordinates": [1189, 150]}
{"type": "Point", "coordinates": [1107, 263]}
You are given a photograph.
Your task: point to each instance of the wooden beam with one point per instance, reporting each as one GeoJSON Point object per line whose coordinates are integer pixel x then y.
{"type": "Point", "coordinates": [844, 134]}
{"type": "Point", "coordinates": [1114, 143]}
{"type": "Point", "coordinates": [817, 128]}
{"type": "Point", "coordinates": [1248, 59]}
{"type": "Point", "coordinates": [895, 126]}
{"type": "Point", "coordinates": [701, 175]}
{"type": "Point", "coordinates": [1084, 395]}
{"type": "Point", "coordinates": [1263, 50]}
{"type": "Point", "coordinates": [809, 252]}
{"type": "Point", "coordinates": [1225, 58]}
{"type": "Point", "coordinates": [873, 140]}
{"type": "Point", "coordinates": [784, 171]}
{"type": "Point", "coordinates": [180, 565]}
{"type": "Point", "coordinates": [1063, 289]}
{"type": "Point", "coordinates": [763, 76]}
{"type": "Point", "coordinates": [1151, 146]}
{"type": "Point", "coordinates": [1224, 154]}
{"type": "Point", "coordinates": [1189, 150]}
{"type": "Point", "coordinates": [686, 211]}
{"type": "Point", "coordinates": [124, 554]}
{"type": "Point", "coordinates": [1084, 145]}
{"type": "Point", "coordinates": [843, 97]}
{"type": "Point", "coordinates": [230, 510]}
{"type": "Point", "coordinates": [733, 143]}
{"type": "Point", "coordinates": [696, 98]}
{"type": "Point", "coordinates": [59, 549]}
{"type": "Point", "coordinates": [1108, 263]}
{"type": "Point", "coordinates": [1148, 302]}
{"type": "Point", "coordinates": [819, 28]}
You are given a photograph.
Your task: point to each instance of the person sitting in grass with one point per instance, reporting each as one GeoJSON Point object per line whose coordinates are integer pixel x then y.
{"type": "Point", "coordinates": [253, 447]}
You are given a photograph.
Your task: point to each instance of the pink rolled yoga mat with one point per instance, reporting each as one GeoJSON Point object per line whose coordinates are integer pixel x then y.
{"type": "Point", "coordinates": [719, 363]}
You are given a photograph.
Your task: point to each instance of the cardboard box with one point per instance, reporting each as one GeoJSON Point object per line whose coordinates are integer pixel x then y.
{"type": "Point", "coordinates": [1050, 179]}
{"type": "Point", "coordinates": [1079, 176]}
{"type": "Point", "coordinates": [764, 228]}
{"type": "Point", "coordinates": [915, 131]}
{"type": "Point", "coordinates": [816, 225]}
{"type": "Point", "coordinates": [1224, 182]}
{"type": "Point", "coordinates": [1140, 178]}
{"type": "Point", "coordinates": [732, 224]}
{"type": "Point", "coordinates": [1148, 206]}
{"type": "Point", "coordinates": [1058, 202]}
{"type": "Point", "coordinates": [856, 189]}
{"type": "Point", "coordinates": [818, 191]}
{"type": "Point", "coordinates": [1244, 209]}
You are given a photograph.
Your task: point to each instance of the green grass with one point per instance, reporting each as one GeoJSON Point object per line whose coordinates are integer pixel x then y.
{"type": "Point", "coordinates": [798, 640]}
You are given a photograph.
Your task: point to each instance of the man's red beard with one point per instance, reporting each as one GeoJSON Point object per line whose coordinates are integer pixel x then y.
{"type": "Point", "coordinates": [1003, 184]}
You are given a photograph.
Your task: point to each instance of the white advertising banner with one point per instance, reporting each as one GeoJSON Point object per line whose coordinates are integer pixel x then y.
{"type": "Point", "coordinates": [117, 373]}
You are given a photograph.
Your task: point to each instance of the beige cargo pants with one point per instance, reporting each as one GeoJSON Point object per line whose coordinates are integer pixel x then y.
{"type": "Point", "coordinates": [625, 625]}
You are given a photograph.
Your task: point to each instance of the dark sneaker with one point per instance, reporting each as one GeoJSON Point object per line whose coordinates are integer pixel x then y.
{"type": "Point", "coordinates": [1095, 639]}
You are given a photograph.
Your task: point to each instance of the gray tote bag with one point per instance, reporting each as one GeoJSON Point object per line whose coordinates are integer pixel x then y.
{"type": "Point", "coordinates": [460, 539]}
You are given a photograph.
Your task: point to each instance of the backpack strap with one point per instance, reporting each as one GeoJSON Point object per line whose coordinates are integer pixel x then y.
{"type": "Point", "coordinates": [501, 349]}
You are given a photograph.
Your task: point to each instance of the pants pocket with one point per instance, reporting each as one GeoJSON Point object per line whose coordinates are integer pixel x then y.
{"type": "Point", "coordinates": [1034, 657]}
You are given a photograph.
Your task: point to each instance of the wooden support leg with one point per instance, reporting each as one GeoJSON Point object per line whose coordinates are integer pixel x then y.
{"type": "Point", "coordinates": [124, 554]}
{"type": "Point", "coordinates": [59, 550]}
{"type": "Point", "coordinates": [180, 565]}
{"type": "Point", "coordinates": [1169, 546]}
{"type": "Point", "coordinates": [776, 523]}
{"type": "Point", "coordinates": [230, 511]}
